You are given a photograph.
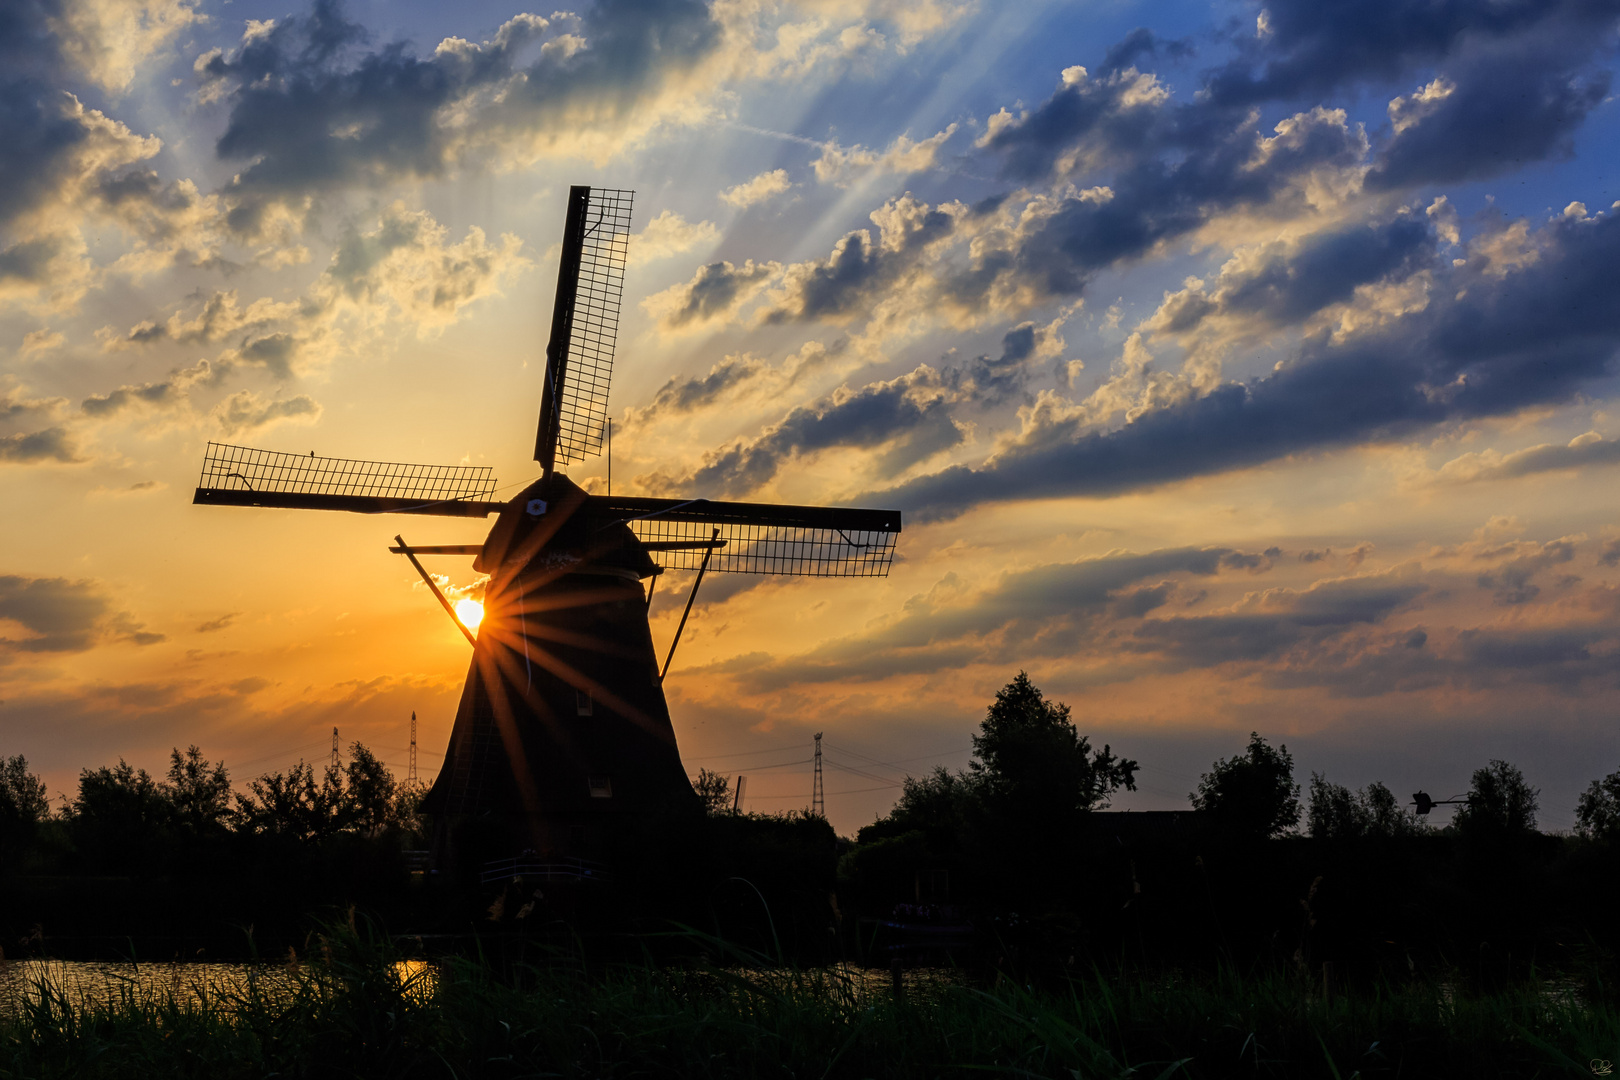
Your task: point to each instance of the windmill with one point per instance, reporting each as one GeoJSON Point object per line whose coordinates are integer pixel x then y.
{"type": "Point", "coordinates": [562, 733]}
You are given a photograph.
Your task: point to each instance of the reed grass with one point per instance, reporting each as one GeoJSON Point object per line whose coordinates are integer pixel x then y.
{"type": "Point", "coordinates": [354, 1009]}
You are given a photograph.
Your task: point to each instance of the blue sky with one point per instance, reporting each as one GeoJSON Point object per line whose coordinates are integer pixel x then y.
{"type": "Point", "coordinates": [1238, 367]}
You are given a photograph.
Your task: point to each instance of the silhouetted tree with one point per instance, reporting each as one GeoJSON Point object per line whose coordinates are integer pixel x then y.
{"type": "Point", "coordinates": [199, 791]}
{"type": "Point", "coordinates": [23, 804]}
{"type": "Point", "coordinates": [120, 816]}
{"type": "Point", "coordinates": [1337, 812]}
{"type": "Point", "coordinates": [714, 790]}
{"type": "Point", "coordinates": [1500, 803]}
{"type": "Point", "coordinates": [1032, 769]}
{"type": "Point", "coordinates": [1253, 793]}
{"type": "Point", "coordinates": [1597, 814]}
{"type": "Point", "coordinates": [293, 804]}
{"type": "Point", "coordinates": [938, 804]}
{"type": "Point", "coordinates": [361, 795]}
{"type": "Point", "coordinates": [371, 798]}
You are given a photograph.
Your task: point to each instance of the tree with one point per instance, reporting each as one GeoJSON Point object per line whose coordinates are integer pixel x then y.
{"type": "Point", "coordinates": [1252, 793]}
{"type": "Point", "coordinates": [199, 791]}
{"type": "Point", "coordinates": [1337, 812]}
{"type": "Point", "coordinates": [120, 817]}
{"type": "Point", "coordinates": [1597, 814]}
{"type": "Point", "coordinates": [1032, 769]}
{"type": "Point", "coordinates": [1500, 803]}
{"type": "Point", "coordinates": [371, 795]}
{"type": "Point", "coordinates": [23, 803]}
{"type": "Point", "coordinates": [714, 790]}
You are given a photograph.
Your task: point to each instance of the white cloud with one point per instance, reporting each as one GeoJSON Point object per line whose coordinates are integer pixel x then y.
{"type": "Point", "coordinates": [843, 165]}
{"type": "Point", "coordinates": [762, 187]}
{"type": "Point", "coordinates": [670, 234]}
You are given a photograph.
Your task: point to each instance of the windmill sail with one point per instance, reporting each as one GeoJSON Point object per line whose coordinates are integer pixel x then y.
{"type": "Point", "coordinates": [584, 325]}
{"type": "Point", "coordinates": [243, 476]}
{"type": "Point", "coordinates": [762, 538]}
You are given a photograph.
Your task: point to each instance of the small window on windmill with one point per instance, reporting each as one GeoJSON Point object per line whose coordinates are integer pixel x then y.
{"type": "Point", "coordinates": [601, 787]}
{"type": "Point", "coordinates": [583, 706]}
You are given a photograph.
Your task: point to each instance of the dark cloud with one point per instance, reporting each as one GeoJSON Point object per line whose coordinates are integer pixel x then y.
{"type": "Point", "coordinates": [1499, 112]}
{"type": "Point", "coordinates": [1307, 49]}
{"type": "Point", "coordinates": [1286, 287]}
{"type": "Point", "coordinates": [166, 393]}
{"type": "Point", "coordinates": [715, 291]}
{"type": "Point", "coordinates": [29, 260]}
{"type": "Point", "coordinates": [909, 416]}
{"type": "Point", "coordinates": [1051, 610]}
{"type": "Point", "coordinates": [994, 380]}
{"type": "Point", "coordinates": [50, 444]}
{"type": "Point", "coordinates": [846, 282]}
{"type": "Point", "coordinates": [312, 110]}
{"type": "Point", "coordinates": [1143, 42]}
{"type": "Point", "coordinates": [221, 623]}
{"type": "Point", "coordinates": [1485, 345]}
{"type": "Point", "coordinates": [63, 616]}
{"type": "Point", "coordinates": [684, 394]}
{"type": "Point", "coordinates": [37, 131]}
{"type": "Point", "coordinates": [1195, 171]}
{"type": "Point", "coordinates": [1512, 580]}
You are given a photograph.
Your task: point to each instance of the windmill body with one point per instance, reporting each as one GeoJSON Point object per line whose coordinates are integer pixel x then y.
{"type": "Point", "coordinates": [562, 738]}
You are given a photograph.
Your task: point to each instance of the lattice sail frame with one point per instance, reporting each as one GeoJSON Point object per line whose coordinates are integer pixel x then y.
{"type": "Point", "coordinates": [242, 468]}
{"type": "Point", "coordinates": [772, 549]}
{"type": "Point", "coordinates": [582, 414]}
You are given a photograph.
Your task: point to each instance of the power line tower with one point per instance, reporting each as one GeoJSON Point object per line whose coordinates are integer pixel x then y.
{"type": "Point", "coordinates": [337, 759]}
{"type": "Point", "coordinates": [410, 776]}
{"type": "Point", "coordinates": [818, 795]}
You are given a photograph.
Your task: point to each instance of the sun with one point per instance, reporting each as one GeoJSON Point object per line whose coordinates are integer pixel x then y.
{"type": "Point", "coordinates": [470, 612]}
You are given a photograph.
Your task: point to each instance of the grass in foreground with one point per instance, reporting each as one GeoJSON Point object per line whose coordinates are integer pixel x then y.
{"type": "Point", "coordinates": [358, 1012]}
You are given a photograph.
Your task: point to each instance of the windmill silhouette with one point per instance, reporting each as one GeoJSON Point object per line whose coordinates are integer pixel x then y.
{"type": "Point", "coordinates": [563, 735]}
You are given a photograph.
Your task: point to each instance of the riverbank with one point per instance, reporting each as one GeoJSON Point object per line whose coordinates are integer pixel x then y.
{"type": "Point", "coordinates": [351, 1008]}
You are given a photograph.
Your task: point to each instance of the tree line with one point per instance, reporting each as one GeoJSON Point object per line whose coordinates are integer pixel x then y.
{"type": "Point", "coordinates": [122, 819]}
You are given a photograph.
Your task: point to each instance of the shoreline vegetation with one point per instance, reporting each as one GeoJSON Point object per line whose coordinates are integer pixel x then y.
{"type": "Point", "coordinates": [353, 1008]}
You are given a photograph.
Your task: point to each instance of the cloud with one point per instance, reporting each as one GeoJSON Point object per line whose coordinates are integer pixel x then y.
{"type": "Point", "coordinates": [246, 411]}
{"type": "Point", "coordinates": [60, 615]}
{"type": "Point", "coordinates": [1507, 105]}
{"type": "Point", "coordinates": [405, 264]}
{"type": "Point", "coordinates": [686, 394]}
{"type": "Point", "coordinates": [1590, 449]}
{"type": "Point", "coordinates": [715, 294]}
{"type": "Point", "coordinates": [30, 448]}
{"type": "Point", "coordinates": [169, 392]}
{"type": "Point", "coordinates": [908, 416]}
{"type": "Point", "coordinates": [670, 234]}
{"type": "Point", "coordinates": [108, 39]}
{"type": "Point", "coordinates": [221, 623]}
{"type": "Point", "coordinates": [218, 317]}
{"type": "Point", "coordinates": [1047, 610]}
{"type": "Point", "coordinates": [1283, 284]}
{"type": "Point", "coordinates": [313, 109]}
{"type": "Point", "coordinates": [1484, 345]}
{"type": "Point", "coordinates": [844, 165]}
{"type": "Point", "coordinates": [1308, 49]}
{"type": "Point", "coordinates": [765, 186]}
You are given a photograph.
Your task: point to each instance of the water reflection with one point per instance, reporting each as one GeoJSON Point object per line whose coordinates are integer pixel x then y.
{"type": "Point", "coordinates": [193, 984]}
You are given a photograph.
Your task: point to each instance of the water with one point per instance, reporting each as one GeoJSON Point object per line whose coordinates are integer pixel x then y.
{"type": "Point", "coordinates": [87, 983]}
{"type": "Point", "coordinates": [219, 985]}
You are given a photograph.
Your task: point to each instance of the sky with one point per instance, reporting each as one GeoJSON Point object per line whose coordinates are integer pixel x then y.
{"type": "Point", "coordinates": [1237, 367]}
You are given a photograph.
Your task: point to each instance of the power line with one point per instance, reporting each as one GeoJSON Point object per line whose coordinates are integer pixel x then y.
{"type": "Point", "coordinates": [746, 753]}
{"type": "Point", "coordinates": [850, 791]}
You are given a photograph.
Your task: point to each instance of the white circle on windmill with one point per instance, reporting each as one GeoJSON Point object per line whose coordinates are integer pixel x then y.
{"type": "Point", "coordinates": [537, 508]}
